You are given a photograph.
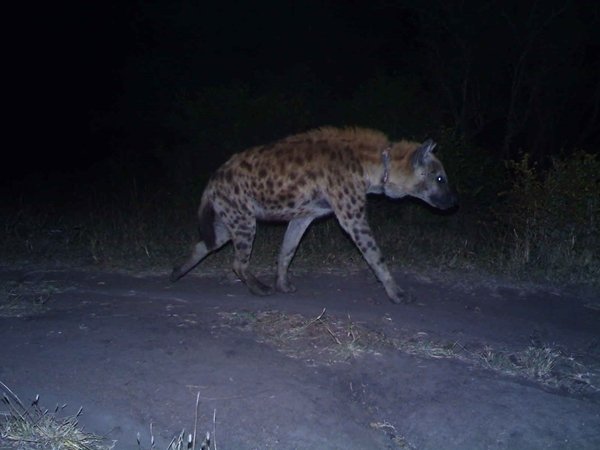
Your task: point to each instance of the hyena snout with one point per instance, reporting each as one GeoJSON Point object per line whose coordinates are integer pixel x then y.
{"type": "Point", "coordinates": [444, 199]}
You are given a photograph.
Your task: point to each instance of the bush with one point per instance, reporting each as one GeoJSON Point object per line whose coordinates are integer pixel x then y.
{"type": "Point", "coordinates": [551, 218]}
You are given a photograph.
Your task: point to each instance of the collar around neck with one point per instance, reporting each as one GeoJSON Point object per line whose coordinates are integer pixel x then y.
{"type": "Point", "coordinates": [385, 159]}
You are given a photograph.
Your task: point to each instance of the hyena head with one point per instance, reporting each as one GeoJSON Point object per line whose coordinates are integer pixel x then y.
{"type": "Point", "coordinates": [413, 170]}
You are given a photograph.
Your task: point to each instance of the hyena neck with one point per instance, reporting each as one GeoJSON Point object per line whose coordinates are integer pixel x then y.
{"type": "Point", "coordinates": [378, 171]}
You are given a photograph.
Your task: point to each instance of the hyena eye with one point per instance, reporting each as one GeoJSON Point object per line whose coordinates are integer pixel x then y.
{"type": "Point", "coordinates": [440, 179]}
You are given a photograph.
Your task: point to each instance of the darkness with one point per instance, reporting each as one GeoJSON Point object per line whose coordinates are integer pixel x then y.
{"type": "Point", "coordinates": [95, 81]}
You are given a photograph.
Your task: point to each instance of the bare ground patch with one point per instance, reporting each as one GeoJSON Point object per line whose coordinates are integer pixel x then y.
{"type": "Point", "coordinates": [332, 365]}
{"type": "Point", "coordinates": [327, 339]}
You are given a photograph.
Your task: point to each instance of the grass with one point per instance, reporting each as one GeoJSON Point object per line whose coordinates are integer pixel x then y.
{"type": "Point", "coordinates": [34, 428]}
{"type": "Point", "coordinates": [20, 299]}
{"type": "Point", "coordinates": [327, 340]}
{"type": "Point", "coordinates": [543, 364]}
{"type": "Point", "coordinates": [128, 228]}
{"type": "Point", "coordinates": [335, 340]}
{"type": "Point", "coordinates": [190, 441]}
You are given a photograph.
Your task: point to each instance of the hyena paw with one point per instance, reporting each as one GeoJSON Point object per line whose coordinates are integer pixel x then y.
{"type": "Point", "coordinates": [175, 275]}
{"type": "Point", "coordinates": [398, 295]}
{"type": "Point", "coordinates": [284, 285]}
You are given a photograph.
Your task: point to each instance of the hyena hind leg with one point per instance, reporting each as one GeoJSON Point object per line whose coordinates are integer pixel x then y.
{"type": "Point", "coordinates": [200, 251]}
{"type": "Point", "coordinates": [242, 245]}
{"type": "Point", "coordinates": [294, 233]}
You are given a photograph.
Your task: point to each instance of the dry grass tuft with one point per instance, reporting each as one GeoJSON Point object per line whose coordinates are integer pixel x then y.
{"type": "Point", "coordinates": [189, 441]}
{"type": "Point", "coordinates": [34, 428]}
{"type": "Point", "coordinates": [329, 339]}
{"type": "Point", "coordinates": [39, 429]}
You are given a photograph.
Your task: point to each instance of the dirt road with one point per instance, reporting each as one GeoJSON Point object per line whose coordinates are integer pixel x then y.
{"type": "Point", "coordinates": [473, 364]}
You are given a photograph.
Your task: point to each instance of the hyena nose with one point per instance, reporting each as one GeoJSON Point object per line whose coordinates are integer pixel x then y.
{"type": "Point", "coordinates": [448, 200]}
{"type": "Point", "coordinates": [444, 200]}
{"type": "Point", "coordinates": [452, 198]}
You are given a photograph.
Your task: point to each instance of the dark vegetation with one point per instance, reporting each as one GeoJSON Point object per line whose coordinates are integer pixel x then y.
{"type": "Point", "coordinates": [517, 120]}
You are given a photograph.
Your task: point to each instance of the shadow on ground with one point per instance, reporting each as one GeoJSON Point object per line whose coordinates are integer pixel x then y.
{"type": "Point", "coordinates": [433, 375]}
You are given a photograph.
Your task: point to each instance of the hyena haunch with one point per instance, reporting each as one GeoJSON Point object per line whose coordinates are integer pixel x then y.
{"type": "Point", "coordinates": [310, 175]}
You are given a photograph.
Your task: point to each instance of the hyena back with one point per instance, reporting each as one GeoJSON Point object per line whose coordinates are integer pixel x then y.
{"type": "Point", "coordinates": [307, 176]}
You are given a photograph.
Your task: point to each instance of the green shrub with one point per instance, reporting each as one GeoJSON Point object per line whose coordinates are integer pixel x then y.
{"type": "Point", "coordinates": [551, 219]}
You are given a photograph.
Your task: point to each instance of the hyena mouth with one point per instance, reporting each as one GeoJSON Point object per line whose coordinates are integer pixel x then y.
{"type": "Point", "coordinates": [446, 200]}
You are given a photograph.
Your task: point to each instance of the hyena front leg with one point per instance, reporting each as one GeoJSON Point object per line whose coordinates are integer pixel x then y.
{"type": "Point", "coordinates": [295, 230]}
{"type": "Point", "coordinates": [199, 251]}
{"type": "Point", "coordinates": [360, 232]}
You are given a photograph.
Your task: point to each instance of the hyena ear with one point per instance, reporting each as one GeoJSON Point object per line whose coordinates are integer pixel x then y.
{"type": "Point", "coordinates": [421, 155]}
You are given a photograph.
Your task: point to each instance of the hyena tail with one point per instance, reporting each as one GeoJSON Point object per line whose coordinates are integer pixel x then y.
{"type": "Point", "coordinates": [206, 227]}
{"type": "Point", "coordinates": [206, 223]}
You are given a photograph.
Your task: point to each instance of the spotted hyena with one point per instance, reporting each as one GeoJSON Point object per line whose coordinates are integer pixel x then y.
{"type": "Point", "coordinates": [311, 175]}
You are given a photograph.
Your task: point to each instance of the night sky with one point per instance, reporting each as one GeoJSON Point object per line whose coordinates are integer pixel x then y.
{"type": "Point", "coordinates": [90, 71]}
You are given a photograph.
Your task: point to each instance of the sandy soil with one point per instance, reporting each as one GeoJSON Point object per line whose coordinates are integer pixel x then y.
{"type": "Point", "coordinates": [283, 374]}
